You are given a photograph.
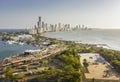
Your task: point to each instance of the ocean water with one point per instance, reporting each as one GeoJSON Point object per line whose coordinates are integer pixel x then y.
{"type": "Point", "coordinates": [7, 50]}
{"type": "Point", "coordinates": [111, 37]}
{"type": "Point", "coordinates": [11, 30]}
{"type": "Point", "coordinates": [95, 36]}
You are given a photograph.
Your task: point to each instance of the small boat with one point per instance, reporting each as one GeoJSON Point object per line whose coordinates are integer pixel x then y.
{"type": "Point", "coordinates": [9, 42]}
{"type": "Point", "coordinates": [21, 43]}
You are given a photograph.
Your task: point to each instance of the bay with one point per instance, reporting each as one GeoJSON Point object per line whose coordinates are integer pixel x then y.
{"type": "Point", "coordinates": [7, 50]}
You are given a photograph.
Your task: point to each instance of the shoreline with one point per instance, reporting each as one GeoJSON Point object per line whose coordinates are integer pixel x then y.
{"type": "Point", "coordinates": [57, 45]}
{"type": "Point", "coordinates": [108, 37]}
{"type": "Point", "coordinates": [103, 46]}
{"type": "Point", "coordinates": [95, 46]}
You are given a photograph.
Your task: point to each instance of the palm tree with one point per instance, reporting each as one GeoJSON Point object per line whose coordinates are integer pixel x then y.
{"type": "Point", "coordinates": [85, 63]}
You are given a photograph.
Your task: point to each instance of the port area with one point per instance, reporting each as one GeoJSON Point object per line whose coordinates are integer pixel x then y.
{"type": "Point", "coordinates": [98, 68]}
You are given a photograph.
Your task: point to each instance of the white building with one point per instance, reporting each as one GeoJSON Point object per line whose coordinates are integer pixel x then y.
{"type": "Point", "coordinates": [33, 31]}
{"type": "Point", "coordinates": [24, 37]}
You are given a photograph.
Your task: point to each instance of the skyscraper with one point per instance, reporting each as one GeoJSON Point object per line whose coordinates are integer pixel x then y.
{"type": "Point", "coordinates": [46, 28]}
{"type": "Point", "coordinates": [39, 22]}
{"type": "Point", "coordinates": [39, 25]}
{"type": "Point", "coordinates": [59, 26]}
{"type": "Point", "coordinates": [40, 18]}
{"type": "Point", "coordinates": [43, 26]}
{"type": "Point", "coordinates": [79, 27]}
{"type": "Point", "coordinates": [68, 26]}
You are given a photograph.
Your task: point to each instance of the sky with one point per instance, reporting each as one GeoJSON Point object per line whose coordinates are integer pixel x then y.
{"type": "Point", "coordinates": [92, 13]}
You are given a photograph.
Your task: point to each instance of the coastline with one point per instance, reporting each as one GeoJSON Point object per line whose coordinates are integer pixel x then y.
{"type": "Point", "coordinates": [81, 48]}
{"type": "Point", "coordinates": [99, 46]}
{"type": "Point", "coordinates": [101, 38]}
{"type": "Point", "coordinates": [80, 43]}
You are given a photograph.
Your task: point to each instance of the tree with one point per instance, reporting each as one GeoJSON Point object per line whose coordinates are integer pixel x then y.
{"type": "Point", "coordinates": [85, 63]}
{"type": "Point", "coordinates": [43, 62]}
{"type": "Point", "coordinates": [93, 79]}
{"type": "Point", "coordinates": [8, 73]}
{"type": "Point", "coordinates": [116, 63]}
{"type": "Point", "coordinates": [69, 68]}
{"type": "Point", "coordinates": [76, 64]}
{"type": "Point", "coordinates": [51, 68]}
{"type": "Point", "coordinates": [74, 76]}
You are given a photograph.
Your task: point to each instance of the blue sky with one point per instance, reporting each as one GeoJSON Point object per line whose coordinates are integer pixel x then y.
{"type": "Point", "coordinates": [93, 13]}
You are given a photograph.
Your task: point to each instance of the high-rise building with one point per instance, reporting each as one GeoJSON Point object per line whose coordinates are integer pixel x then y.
{"type": "Point", "coordinates": [43, 26]}
{"type": "Point", "coordinates": [83, 26]}
{"type": "Point", "coordinates": [55, 28]}
{"type": "Point", "coordinates": [59, 26]}
{"type": "Point", "coordinates": [79, 27]}
{"type": "Point", "coordinates": [40, 18]}
{"type": "Point", "coordinates": [39, 27]}
{"type": "Point", "coordinates": [39, 22]}
{"type": "Point", "coordinates": [50, 28]}
{"type": "Point", "coordinates": [46, 28]}
{"type": "Point", "coordinates": [33, 31]}
{"type": "Point", "coordinates": [68, 26]}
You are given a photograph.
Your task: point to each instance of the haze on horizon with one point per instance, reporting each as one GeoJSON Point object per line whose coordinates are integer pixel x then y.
{"type": "Point", "coordinates": [92, 13]}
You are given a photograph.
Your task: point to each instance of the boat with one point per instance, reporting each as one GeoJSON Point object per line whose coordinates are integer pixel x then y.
{"type": "Point", "coordinates": [21, 43]}
{"type": "Point", "coordinates": [10, 42]}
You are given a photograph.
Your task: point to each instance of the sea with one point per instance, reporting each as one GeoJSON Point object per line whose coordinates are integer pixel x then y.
{"type": "Point", "coordinates": [11, 30]}
{"type": "Point", "coordinates": [7, 50]}
{"type": "Point", "coordinates": [110, 37]}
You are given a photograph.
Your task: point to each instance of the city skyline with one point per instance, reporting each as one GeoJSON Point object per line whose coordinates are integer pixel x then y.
{"type": "Point", "coordinates": [42, 27]}
{"type": "Point", "coordinates": [92, 13]}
